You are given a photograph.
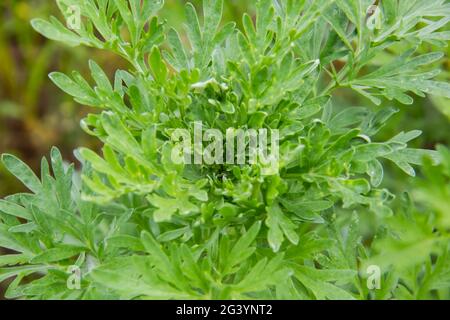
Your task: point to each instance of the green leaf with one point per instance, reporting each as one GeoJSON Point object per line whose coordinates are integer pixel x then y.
{"type": "Point", "coordinates": [173, 234]}
{"type": "Point", "coordinates": [22, 172]}
{"type": "Point", "coordinates": [126, 241]}
{"type": "Point", "coordinates": [321, 289]}
{"type": "Point", "coordinates": [62, 252]}
{"type": "Point", "coordinates": [54, 30]}
{"type": "Point", "coordinates": [67, 85]}
{"type": "Point", "coordinates": [13, 259]}
{"type": "Point", "coordinates": [403, 158]}
{"type": "Point", "coordinates": [100, 77]}
{"type": "Point", "coordinates": [212, 11]}
{"type": "Point", "coordinates": [279, 226]}
{"type": "Point", "coordinates": [371, 151]}
{"type": "Point", "coordinates": [157, 64]}
{"type": "Point", "coordinates": [14, 209]}
{"type": "Point", "coordinates": [193, 27]}
{"type": "Point", "coordinates": [179, 54]}
{"type": "Point", "coordinates": [338, 22]}
{"type": "Point", "coordinates": [243, 248]}
{"type": "Point", "coordinates": [6, 273]}
{"type": "Point", "coordinates": [375, 171]}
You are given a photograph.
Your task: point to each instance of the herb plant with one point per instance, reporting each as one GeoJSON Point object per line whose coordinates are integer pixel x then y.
{"type": "Point", "coordinates": [134, 224]}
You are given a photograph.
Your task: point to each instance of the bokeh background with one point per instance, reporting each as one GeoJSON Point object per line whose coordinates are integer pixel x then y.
{"type": "Point", "coordinates": [35, 114]}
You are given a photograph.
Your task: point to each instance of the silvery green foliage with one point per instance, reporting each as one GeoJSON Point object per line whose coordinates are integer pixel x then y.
{"type": "Point", "coordinates": [140, 226]}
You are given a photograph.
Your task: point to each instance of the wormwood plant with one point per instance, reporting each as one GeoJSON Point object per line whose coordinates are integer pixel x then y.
{"type": "Point", "coordinates": [138, 225]}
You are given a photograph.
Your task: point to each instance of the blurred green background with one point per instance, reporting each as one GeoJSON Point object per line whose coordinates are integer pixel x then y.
{"type": "Point", "coordinates": [35, 114]}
